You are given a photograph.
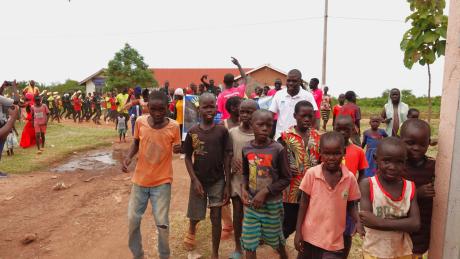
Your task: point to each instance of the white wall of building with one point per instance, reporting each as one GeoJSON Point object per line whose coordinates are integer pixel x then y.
{"type": "Point", "coordinates": [90, 87]}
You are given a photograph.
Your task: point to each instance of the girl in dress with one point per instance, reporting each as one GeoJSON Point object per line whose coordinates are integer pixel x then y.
{"type": "Point", "coordinates": [371, 138]}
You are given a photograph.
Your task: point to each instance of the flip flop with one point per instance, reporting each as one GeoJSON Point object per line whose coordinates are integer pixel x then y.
{"type": "Point", "coordinates": [236, 255]}
{"type": "Point", "coordinates": [189, 242]}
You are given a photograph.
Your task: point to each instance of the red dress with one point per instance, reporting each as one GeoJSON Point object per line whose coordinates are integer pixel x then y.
{"type": "Point", "coordinates": [28, 133]}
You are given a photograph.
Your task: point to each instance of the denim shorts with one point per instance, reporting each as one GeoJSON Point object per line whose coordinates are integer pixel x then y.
{"type": "Point", "coordinates": [197, 206]}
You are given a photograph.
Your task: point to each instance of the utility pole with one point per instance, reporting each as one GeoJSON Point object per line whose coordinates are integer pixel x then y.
{"type": "Point", "coordinates": [323, 77]}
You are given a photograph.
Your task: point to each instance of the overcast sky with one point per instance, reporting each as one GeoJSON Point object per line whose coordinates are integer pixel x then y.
{"type": "Point", "coordinates": [53, 40]}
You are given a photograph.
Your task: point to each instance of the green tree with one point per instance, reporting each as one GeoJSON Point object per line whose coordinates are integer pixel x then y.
{"type": "Point", "coordinates": [68, 86]}
{"type": "Point", "coordinates": [425, 40]}
{"type": "Point", "coordinates": [128, 69]}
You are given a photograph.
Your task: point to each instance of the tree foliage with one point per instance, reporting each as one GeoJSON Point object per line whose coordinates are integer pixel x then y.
{"type": "Point", "coordinates": [67, 87]}
{"type": "Point", "coordinates": [128, 69]}
{"type": "Point", "coordinates": [425, 40]}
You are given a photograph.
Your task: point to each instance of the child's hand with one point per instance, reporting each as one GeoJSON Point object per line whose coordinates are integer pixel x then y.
{"type": "Point", "coordinates": [360, 229]}
{"type": "Point", "coordinates": [198, 188]}
{"type": "Point", "coordinates": [259, 199]}
{"type": "Point", "coordinates": [177, 148]}
{"type": "Point", "coordinates": [245, 197]}
{"type": "Point", "coordinates": [298, 241]}
{"type": "Point", "coordinates": [368, 219]}
{"type": "Point", "coordinates": [126, 164]}
{"type": "Point", "coordinates": [426, 191]}
{"type": "Point", "coordinates": [237, 166]}
{"type": "Point", "coordinates": [226, 195]}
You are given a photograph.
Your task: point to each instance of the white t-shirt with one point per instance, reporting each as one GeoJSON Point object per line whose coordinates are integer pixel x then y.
{"type": "Point", "coordinates": [284, 105]}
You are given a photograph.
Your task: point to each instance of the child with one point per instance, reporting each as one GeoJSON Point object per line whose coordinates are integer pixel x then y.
{"type": "Point", "coordinates": [302, 147]}
{"type": "Point", "coordinates": [413, 113]}
{"type": "Point", "coordinates": [231, 90]}
{"type": "Point", "coordinates": [11, 141]}
{"type": "Point", "coordinates": [179, 111]}
{"type": "Point", "coordinates": [353, 110]}
{"type": "Point", "coordinates": [121, 125]}
{"type": "Point", "coordinates": [355, 161]}
{"type": "Point", "coordinates": [421, 170]}
{"type": "Point", "coordinates": [389, 209]}
{"type": "Point", "coordinates": [371, 138]}
{"type": "Point", "coordinates": [240, 136]}
{"type": "Point", "coordinates": [155, 139]}
{"type": "Point", "coordinates": [40, 113]}
{"type": "Point", "coordinates": [325, 107]}
{"type": "Point", "coordinates": [265, 176]}
{"type": "Point", "coordinates": [329, 191]}
{"type": "Point", "coordinates": [232, 106]}
{"type": "Point", "coordinates": [337, 108]}
{"type": "Point", "coordinates": [211, 148]}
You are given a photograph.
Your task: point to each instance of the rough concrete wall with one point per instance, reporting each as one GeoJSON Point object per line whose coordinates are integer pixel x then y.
{"type": "Point", "coordinates": [445, 232]}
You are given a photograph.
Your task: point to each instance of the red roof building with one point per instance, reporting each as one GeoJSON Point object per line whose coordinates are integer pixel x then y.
{"type": "Point", "coordinates": [183, 77]}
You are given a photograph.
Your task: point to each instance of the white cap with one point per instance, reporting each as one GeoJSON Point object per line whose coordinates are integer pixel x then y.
{"type": "Point", "coordinates": [179, 92]}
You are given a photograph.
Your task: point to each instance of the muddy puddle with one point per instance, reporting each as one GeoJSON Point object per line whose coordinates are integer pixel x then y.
{"type": "Point", "coordinates": [89, 161]}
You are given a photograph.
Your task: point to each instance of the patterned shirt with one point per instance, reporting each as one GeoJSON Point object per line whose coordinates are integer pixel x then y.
{"type": "Point", "coordinates": [301, 157]}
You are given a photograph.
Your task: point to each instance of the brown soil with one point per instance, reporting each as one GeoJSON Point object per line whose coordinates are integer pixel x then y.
{"type": "Point", "coordinates": [89, 219]}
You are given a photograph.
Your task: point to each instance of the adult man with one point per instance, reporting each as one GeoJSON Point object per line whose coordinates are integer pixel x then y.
{"type": "Point", "coordinates": [122, 98]}
{"type": "Point", "coordinates": [285, 100]}
{"type": "Point", "coordinates": [394, 113]}
{"type": "Point", "coordinates": [318, 95]}
{"type": "Point", "coordinates": [210, 87]}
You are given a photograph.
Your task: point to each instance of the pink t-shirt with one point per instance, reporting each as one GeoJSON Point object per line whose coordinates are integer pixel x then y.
{"type": "Point", "coordinates": [324, 222]}
{"type": "Point", "coordinates": [40, 114]}
{"type": "Point", "coordinates": [271, 92]}
{"type": "Point", "coordinates": [227, 94]}
{"type": "Point", "coordinates": [318, 95]}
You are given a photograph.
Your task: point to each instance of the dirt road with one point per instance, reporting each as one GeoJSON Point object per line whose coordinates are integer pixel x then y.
{"type": "Point", "coordinates": [88, 219]}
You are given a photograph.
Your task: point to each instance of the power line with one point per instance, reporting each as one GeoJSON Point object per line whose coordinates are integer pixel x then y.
{"type": "Point", "coordinates": [366, 19]}
{"type": "Point", "coordinates": [192, 29]}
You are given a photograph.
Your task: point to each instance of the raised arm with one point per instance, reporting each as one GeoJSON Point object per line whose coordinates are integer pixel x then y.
{"type": "Point", "coordinates": [203, 80]}
{"type": "Point", "coordinates": [242, 73]}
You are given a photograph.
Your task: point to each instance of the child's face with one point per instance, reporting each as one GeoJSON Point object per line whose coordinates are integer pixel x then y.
{"type": "Point", "coordinates": [417, 141]}
{"type": "Point", "coordinates": [331, 155]}
{"type": "Point", "coordinates": [157, 110]}
{"type": "Point", "coordinates": [304, 117]}
{"type": "Point", "coordinates": [235, 110]}
{"type": "Point", "coordinates": [246, 113]}
{"type": "Point", "coordinates": [207, 109]}
{"type": "Point", "coordinates": [345, 128]}
{"type": "Point", "coordinates": [391, 161]}
{"type": "Point", "coordinates": [375, 123]}
{"type": "Point", "coordinates": [342, 99]}
{"type": "Point", "coordinates": [262, 126]}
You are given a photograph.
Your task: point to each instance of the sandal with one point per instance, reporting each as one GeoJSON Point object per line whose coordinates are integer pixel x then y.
{"type": "Point", "coordinates": [236, 255]}
{"type": "Point", "coordinates": [189, 242]}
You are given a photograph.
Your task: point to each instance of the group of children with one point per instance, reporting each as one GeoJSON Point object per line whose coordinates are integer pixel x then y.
{"type": "Point", "coordinates": [322, 187]}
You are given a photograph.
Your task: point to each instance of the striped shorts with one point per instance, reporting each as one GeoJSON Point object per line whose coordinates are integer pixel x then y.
{"type": "Point", "coordinates": [263, 224]}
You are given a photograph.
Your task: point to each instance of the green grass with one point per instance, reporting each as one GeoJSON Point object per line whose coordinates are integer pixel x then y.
{"type": "Point", "coordinates": [61, 141]}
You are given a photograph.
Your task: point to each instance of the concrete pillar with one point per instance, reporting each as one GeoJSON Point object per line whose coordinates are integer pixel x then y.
{"type": "Point", "coordinates": [445, 227]}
